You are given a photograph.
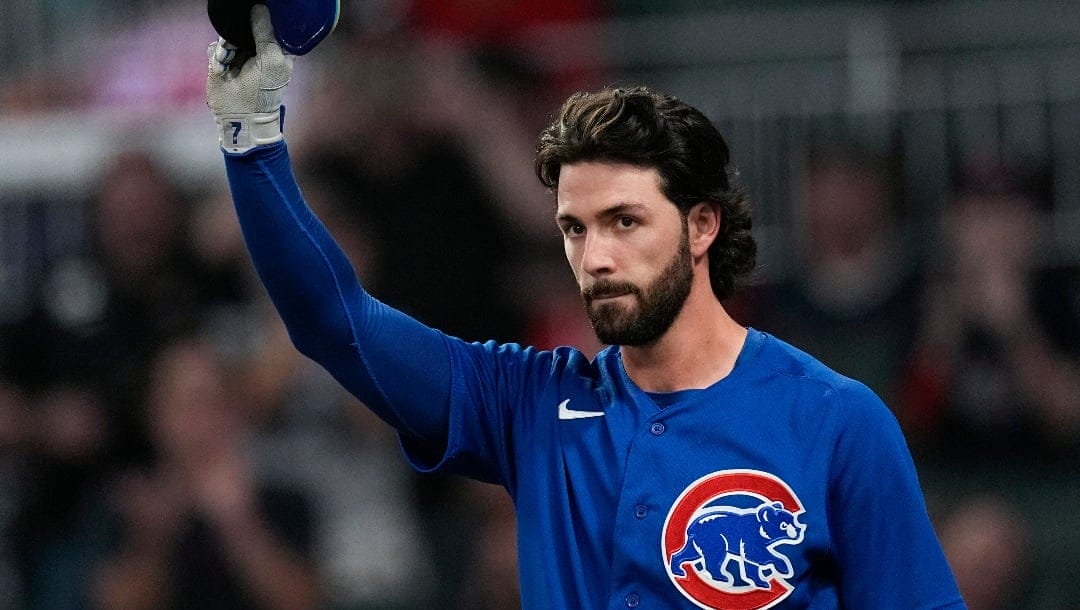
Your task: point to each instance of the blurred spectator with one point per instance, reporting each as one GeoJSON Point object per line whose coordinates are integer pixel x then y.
{"type": "Point", "coordinates": [307, 433]}
{"type": "Point", "coordinates": [105, 307]}
{"type": "Point", "coordinates": [15, 429]}
{"type": "Point", "coordinates": [489, 571]}
{"type": "Point", "coordinates": [232, 300]}
{"type": "Point", "coordinates": [415, 191]}
{"type": "Point", "coordinates": [217, 247]}
{"type": "Point", "coordinates": [988, 543]}
{"type": "Point", "coordinates": [302, 432]}
{"type": "Point", "coordinates": [514, 30]}
{"type": "Point", "coordinates": [850, 292]}
{"type": "Point", "coordinates": [56, 531]}
{"type": "Point", "coordinates": [988, 380]}
{"type": "Point", "coordinates": [198, 529]}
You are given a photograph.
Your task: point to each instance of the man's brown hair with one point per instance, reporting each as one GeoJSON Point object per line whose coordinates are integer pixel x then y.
{"type": "Point", "coordinates": [640, 127]}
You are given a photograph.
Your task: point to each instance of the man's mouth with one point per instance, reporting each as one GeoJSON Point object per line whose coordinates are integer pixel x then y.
{"type": "Point", "coordinates": [605, 295]}
{"type": "Point", "coordinates": [608, 295]}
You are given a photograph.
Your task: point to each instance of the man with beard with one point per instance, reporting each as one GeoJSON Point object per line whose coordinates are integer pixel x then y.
{"type": "Point", "coordinates": [694, 462]}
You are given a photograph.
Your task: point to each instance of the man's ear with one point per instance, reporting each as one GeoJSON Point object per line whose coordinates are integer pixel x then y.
{"type": "Point", "coordinates": [703, 222]}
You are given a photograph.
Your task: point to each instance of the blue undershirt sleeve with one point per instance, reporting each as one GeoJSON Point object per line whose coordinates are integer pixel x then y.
{"type": "Point", "coordinates": [397, 366]}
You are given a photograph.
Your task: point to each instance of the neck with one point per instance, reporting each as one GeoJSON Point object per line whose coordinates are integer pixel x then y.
{"type": "Point", "coordinates": [698, 350]}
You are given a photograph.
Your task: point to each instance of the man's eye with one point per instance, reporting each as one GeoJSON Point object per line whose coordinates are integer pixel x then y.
{"type": "Point", "coordinates": [574, 229]}
{"type": "Point", "coordinates": [626, 221]}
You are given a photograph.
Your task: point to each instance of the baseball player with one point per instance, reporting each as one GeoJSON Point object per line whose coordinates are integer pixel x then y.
{"type": "Point", "coordinates": [694, 463]}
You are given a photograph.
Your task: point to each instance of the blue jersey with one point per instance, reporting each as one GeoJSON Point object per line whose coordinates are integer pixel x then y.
{"type": "Point", "coordinates": [783, 485]}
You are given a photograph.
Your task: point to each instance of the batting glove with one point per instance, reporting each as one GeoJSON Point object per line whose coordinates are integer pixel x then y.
{"type": "Point", "coordinates": [245, 93]}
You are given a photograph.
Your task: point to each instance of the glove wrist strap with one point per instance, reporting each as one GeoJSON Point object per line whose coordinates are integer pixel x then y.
{"type": "Point", "coordinates": [240, 133]}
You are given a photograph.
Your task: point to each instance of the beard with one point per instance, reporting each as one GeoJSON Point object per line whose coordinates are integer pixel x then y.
{"type": "Point", "coordinates": [658, 304]}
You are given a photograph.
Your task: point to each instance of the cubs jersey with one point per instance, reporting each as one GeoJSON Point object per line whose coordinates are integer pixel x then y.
{"type": "Point", "coordinates": [783, 485]}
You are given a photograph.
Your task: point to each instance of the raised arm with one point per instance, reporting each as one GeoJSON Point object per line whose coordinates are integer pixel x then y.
{"type": "Point", "coordinates": [397, 366]}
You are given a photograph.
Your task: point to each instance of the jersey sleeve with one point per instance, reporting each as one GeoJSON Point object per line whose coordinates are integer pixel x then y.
{"type": "Point", "coordinates": [887, 553]}
{"type": "Point", "coordinates": [493, 400]}
{"type": "Point", "coordinates": [397, 366]}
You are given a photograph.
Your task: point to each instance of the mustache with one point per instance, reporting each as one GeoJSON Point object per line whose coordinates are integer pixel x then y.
{"type": "Point", "coordinates": [608, 288]}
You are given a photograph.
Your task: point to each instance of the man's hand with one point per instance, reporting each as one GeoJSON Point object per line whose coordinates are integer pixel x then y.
{"type": "Point", "coordinates": [245, 93]}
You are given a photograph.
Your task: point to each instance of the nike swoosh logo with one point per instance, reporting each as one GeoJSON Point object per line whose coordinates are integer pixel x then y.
{"type": "Point", "coordinates": [565, 412]}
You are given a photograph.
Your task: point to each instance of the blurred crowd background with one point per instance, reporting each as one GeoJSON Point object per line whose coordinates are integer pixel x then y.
{"type": "Point", "coordinates": [915, 168]}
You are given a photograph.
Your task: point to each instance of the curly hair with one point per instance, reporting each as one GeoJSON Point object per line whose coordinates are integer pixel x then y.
{"type": "Point", "coordinates": [641, 127]}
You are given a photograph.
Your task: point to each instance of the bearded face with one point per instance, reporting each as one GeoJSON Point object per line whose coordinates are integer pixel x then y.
{"type": "Point", "coordinates": [623, 313]}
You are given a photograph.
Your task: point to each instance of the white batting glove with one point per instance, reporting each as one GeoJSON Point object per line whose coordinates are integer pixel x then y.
{"type": "Point", "coordinates": [245, 94]}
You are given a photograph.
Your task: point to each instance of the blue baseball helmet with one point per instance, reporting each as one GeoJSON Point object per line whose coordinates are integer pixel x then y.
{"type": "Point", "coordinates": [299, 25]}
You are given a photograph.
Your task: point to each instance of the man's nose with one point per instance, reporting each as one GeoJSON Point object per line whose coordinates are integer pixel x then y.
{"type": "Point", "coordinates": [596, 259]}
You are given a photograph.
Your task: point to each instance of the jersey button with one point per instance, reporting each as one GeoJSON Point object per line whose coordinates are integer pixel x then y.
{"type": "Point", "coordinates": [657, 429]}
{"type": "Point", "coordinates": [632, 600]}
{"type": "Point", "coordinates": [640, 511]}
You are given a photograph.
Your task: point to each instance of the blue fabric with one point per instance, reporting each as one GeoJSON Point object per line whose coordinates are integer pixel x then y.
{"type": "Point", "coordinates": [300, 25]}
{"type": "Point", "coordinates": [783, 485]}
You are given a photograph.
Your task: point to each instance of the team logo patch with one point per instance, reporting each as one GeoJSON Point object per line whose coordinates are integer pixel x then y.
{"type": "Point", "coordinates": [721, 539]}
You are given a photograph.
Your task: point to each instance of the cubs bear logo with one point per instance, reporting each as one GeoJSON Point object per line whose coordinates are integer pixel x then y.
{"type": "Point", "coordinates": [721, 536]}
